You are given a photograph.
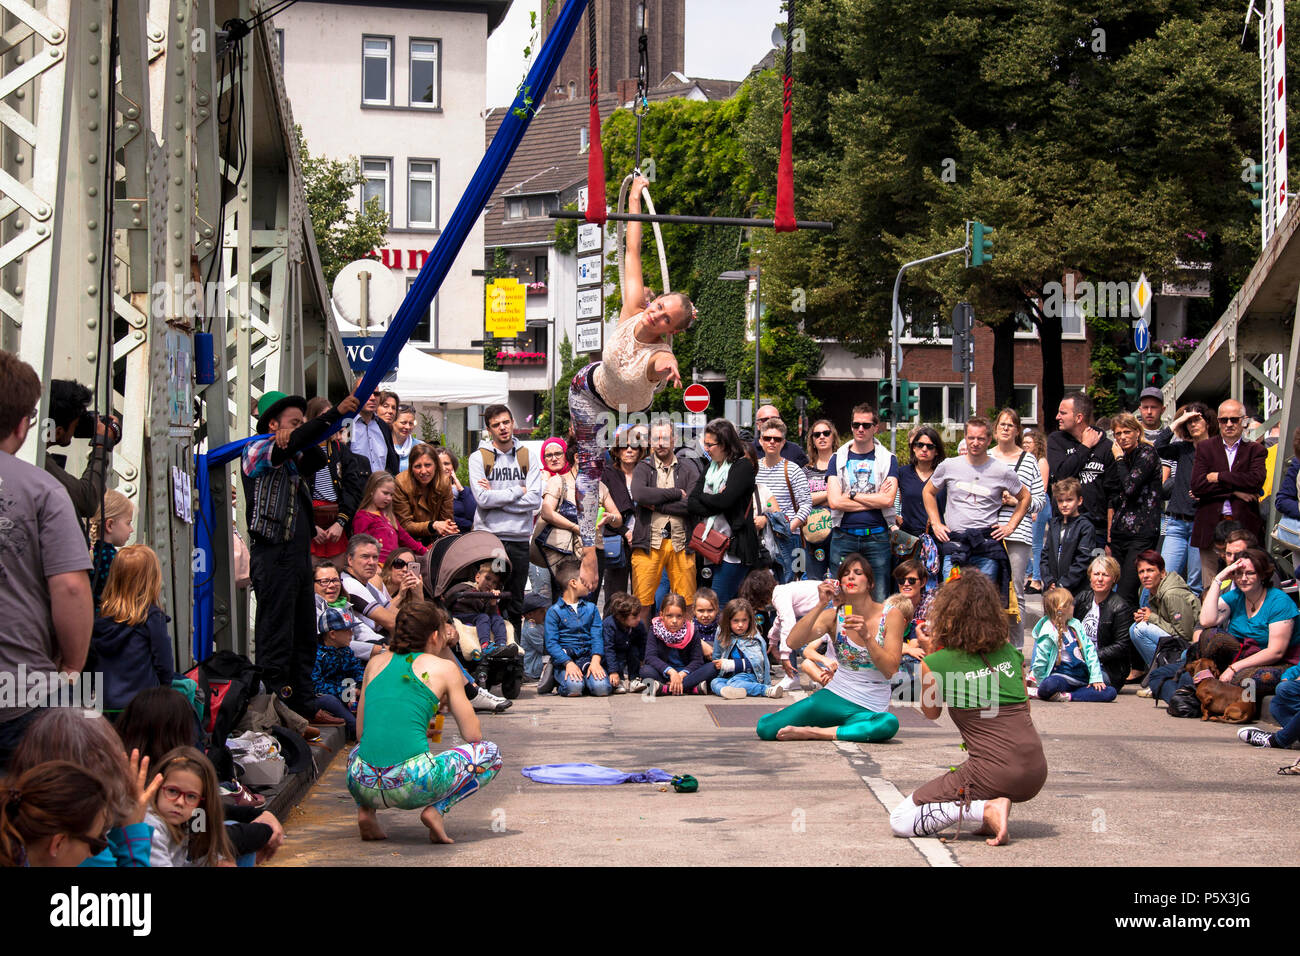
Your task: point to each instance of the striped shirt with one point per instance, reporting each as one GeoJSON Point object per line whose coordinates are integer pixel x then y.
{"type": "Point", "coordinates": [774, 480]}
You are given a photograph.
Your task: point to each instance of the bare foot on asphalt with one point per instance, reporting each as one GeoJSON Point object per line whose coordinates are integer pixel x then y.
{"type": "Point", "coordinates": [368, 824]}
{"type": "Point", "coordinates": [797, 733]}
{"type": "Point", "coordinates": [432, 819]}
{"type": "Point", "coordinates": [996, 814]}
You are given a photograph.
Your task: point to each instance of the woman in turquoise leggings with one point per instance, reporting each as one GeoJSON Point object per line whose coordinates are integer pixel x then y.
{"type": "Point", "coordinates": [394, 764]}
{"type": "Point", "coordinates": [867, 641]}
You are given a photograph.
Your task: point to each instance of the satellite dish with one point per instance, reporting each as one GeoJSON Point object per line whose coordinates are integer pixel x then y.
{"type": "Point", "coordinates": [383, 294]}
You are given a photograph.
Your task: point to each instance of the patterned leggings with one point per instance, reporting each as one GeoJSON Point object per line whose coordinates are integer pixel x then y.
{"type": "Point", "coordinates": [427, 779]}
{"type": "Point", "coordinates": [909, 820]}
{"type": "Point", "coordinates": [592, 424]}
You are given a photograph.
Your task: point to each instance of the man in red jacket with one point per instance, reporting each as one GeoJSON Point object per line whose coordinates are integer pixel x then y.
{"type": "Point", "coordinates": [1227, 481]}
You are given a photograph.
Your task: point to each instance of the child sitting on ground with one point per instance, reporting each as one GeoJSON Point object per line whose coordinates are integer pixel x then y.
{"type": "Point", "coordinates": [740, 656]}
{"type": "Point", "coordinates": [574, 639]}
{"type": "Point", "coordinates": [705, 619]}
{"type": "Point", "coordinates": [903, 683]}
{"type": "Point", "coordinates": [110, 529]}
{"type": "Point", "coordinates": [674, 660]}
{"type": "Point", "coordinates": [187, 816]}
{"type": "Point", "coordinates": [338, 673]}
{"type": "Point", "coordinates": [1067, 549]}
{"type": "Point", "coordinates": [1065, 658]}
{"type": "Point", "coordinates": [478, 605]}
{"type": "Point", "coordinates": [375, 517]}
{"type": "Point", "coordinates": [624, 636]}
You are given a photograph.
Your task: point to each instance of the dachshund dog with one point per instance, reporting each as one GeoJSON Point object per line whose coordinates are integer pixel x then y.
{"type": "Point", "coordinates": [1219, 701]}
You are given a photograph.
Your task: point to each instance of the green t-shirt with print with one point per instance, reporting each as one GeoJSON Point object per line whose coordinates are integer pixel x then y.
{"type": "Point", "coordinates": [968, 680]}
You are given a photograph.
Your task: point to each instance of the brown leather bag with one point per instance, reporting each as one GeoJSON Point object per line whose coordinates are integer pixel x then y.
{"type": "Point", "coordinates": [712, 547]}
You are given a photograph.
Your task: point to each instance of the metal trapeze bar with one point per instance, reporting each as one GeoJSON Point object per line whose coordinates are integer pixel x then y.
{"type": "Point", "coordinates": [692, 220]}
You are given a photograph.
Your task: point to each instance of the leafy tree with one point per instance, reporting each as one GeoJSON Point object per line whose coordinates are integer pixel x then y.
{"type": "Point", "coordinates": [1092, 139]}
{"type": "Point", "coordinates": [569, 365]}
{"type": "Point", "coordinates": [343, 232]}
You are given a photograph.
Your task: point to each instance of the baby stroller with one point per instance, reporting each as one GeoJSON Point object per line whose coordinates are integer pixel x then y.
{"type": "Point", "coordinates": [449, 568]}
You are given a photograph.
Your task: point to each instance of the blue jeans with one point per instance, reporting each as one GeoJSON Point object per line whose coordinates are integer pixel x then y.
{"type": "Point", "coordinates": [1285, 704]}
{"type": "Point", "coordinates": [873, 547]}
{"type": "Point", "coordinates": [750, 682]}
{"type": "Point", "coordinates": [816, 563]}
{"type": "Point", "coordinates": [783, 559]}
{"type": "Point", "coordinates": [1040, 534]}
{"type": "Point", "coordinates": [574, 688]}
{"type": "Point", "coordinates": [1288, 529]}
{"type": "Point", "coordinates": [533, 642]}
{"type": "Point", "coordinates": [986, 566]}
{"type": "Point", "coordinates": [1180, 557]}
{"type": "Point", "coordinates": [1145, 637]}
{"type": "Point", "coordinates": [726, 580]}
{"type": "Point", "coordinates": [335, 707]}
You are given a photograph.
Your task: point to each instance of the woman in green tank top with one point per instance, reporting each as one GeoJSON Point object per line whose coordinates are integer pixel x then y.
{"type": "Point", "coordinates": [393, 765]}
{"type": "Point", "coordinates": [970, 665]}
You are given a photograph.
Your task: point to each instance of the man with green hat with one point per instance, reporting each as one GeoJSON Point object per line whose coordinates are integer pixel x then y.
{"type": "Point", "coordinates": [278, 466]}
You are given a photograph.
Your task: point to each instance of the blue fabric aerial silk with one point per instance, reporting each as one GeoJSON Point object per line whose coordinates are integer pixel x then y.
{"type": "Point", "coordinates": [591, 775]}
{"type": "Point", "coordinates": [426, 285]}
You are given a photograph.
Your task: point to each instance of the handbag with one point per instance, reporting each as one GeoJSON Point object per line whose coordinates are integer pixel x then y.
{"type": "Point", "coordinates": [903, 544]}
{"type": "Point", "coordinates": [712, 547]}
{"type": "Point", "coordinates": [615, 551]}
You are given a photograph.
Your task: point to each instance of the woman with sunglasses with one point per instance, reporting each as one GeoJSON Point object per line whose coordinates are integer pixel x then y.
{"type": "Point", "coordinates": [823, 439]}
{"type": "Point", "coordinates": [926, 448]}
{"type": "Point", "coordinates": [55, 814]}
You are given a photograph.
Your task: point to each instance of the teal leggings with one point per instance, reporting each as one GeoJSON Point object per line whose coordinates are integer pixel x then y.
{"type": "Point", "coordinates": [828, 709]}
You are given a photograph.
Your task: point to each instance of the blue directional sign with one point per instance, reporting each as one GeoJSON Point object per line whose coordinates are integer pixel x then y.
{"type": "Point", "coordinates": [1141, 336]}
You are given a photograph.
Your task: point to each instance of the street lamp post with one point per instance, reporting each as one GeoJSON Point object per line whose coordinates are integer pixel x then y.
{"type": "Point", "coordinates": [744, 275]}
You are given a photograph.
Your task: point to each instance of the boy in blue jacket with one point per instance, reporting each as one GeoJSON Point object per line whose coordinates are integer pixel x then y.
{"type": "Point", "coordinates": [624, 635]}
{"type": "Point", "coordinates": [574, 639]}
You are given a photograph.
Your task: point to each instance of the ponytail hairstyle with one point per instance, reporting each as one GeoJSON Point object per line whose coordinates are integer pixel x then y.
{"type": "Point", "coordinates": [1058, 605]}
{"type": "Point", "coordinates": [415, 623]}
{"type": "Point", "coordinates": [134, 585]}
{"type": "Point", "coordinates": [207, 831]}
{"type": "Point", "coordinates": [51, 798]}
{"type": "Point", "coordinates": [115, 507]}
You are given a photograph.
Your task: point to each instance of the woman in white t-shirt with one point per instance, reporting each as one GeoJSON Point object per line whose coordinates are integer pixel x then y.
{"type": "Point", "coordinates": [867, 641]}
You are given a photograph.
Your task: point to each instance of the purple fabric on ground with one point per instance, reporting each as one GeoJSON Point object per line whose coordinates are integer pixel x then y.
{"type": "Point", "coordinates": [591, 775]}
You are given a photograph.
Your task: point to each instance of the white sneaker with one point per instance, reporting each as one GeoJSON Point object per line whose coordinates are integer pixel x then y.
{"type": "Point", "coordinates": [787, 683]}
{"type": "Point", "coordinates": [621, 688]}
{"type": "Point", "coordinates": [776, 690]}
{"type": "Point", "coordinates": [730, 692]}
{"type": "Point", "coordinates": [636, 686]}
{"type": "Point", "coordinates": [488, 702]}
{"type": "Point", "coordinates": [1145, 692]}
{"type": "Point", "coordinates": [1255, 737]}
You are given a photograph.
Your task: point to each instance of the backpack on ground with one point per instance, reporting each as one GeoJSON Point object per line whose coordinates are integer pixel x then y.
{"type": "Point", "coordinates": [1183, 703]}
{"type": "Point", "coordinates": [226, 683]}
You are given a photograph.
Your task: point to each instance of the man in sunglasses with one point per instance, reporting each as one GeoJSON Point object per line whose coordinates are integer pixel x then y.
{"type": "Point", "coordinates": [858, 490]}
{"type": "Point", "coordinates": [789, 450]}
{"type": "Point", "coordinates": [1227, 481]}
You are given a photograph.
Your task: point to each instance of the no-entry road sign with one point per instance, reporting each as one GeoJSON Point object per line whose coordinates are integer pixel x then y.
{"type": "Point", "coordinates": [696, 398]}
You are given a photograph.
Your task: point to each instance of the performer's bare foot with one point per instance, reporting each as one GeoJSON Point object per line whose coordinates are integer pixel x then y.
{"type": "Point", "coordinates": [996, 814]}
{"type": "Point", "coordinates": [368, 824]}
{"type": "Point", "coordinates": [432, 819]}
{"type": "Point", "coordinates": [806, 733]}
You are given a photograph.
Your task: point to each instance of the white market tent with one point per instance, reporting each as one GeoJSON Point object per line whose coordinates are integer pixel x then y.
{"type": "Point", "coordinates": [423, 378]}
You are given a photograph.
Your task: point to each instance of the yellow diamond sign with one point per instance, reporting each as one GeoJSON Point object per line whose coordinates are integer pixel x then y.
{"type": "Point", "coordinates": [1141, 296]}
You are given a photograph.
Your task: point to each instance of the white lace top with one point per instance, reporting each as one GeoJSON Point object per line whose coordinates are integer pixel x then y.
{"type": "Point", "coordinates": [621, 376]}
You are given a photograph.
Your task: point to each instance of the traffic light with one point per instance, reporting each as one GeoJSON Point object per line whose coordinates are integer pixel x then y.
{"type": "Point", "coordinates": [1257, 184]}
{"type": "Point", "coordinates": [884, 399]}
{"type": "Point", "coordinates": [1130, 380]}
{"type": "Point", "coordinates": [909, 397]}
{"type": "Point", "coordinates": [981, 243]}
{"type": "Point", "coordinates": [1159, 369]}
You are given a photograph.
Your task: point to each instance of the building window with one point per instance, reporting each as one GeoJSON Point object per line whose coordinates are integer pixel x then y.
{"type": "Point", "coordinates": [425, 71]}
{"type": "Point", "coordinates": [1025, 401]}
{"type": "Point", "coordinates": [942, 404]}
{"type": "Point", "coordinates": [378, 184]}
{"type": "Point", "coordinates": [422, 193]}
{"type": "Point", "coordinates": [426, 330]}
{"type": "Point", "coordinates": [531, 207]}
{"type": "Point", "coordinates": [377, 71]}
{"type": "Point", "coordinates": [540, 270]}
{"type": "Point", "coordinates": [515, 209]}
{"type": "Point", "coordinates": [923, 324]}
{"type": "Point", "coordinates": [279, 47]}
{"type": "Point", "coordinates": [584, 139]}
{"type": "Point", "coordinates": [1072, 326]}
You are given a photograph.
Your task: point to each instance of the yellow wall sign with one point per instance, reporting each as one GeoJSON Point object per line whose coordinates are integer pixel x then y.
{"type": "Point", "coordinates": [504, 315]}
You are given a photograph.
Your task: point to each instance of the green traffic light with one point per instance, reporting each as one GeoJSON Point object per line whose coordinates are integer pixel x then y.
{"type": "Point", "coordinates": [981, 243]}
